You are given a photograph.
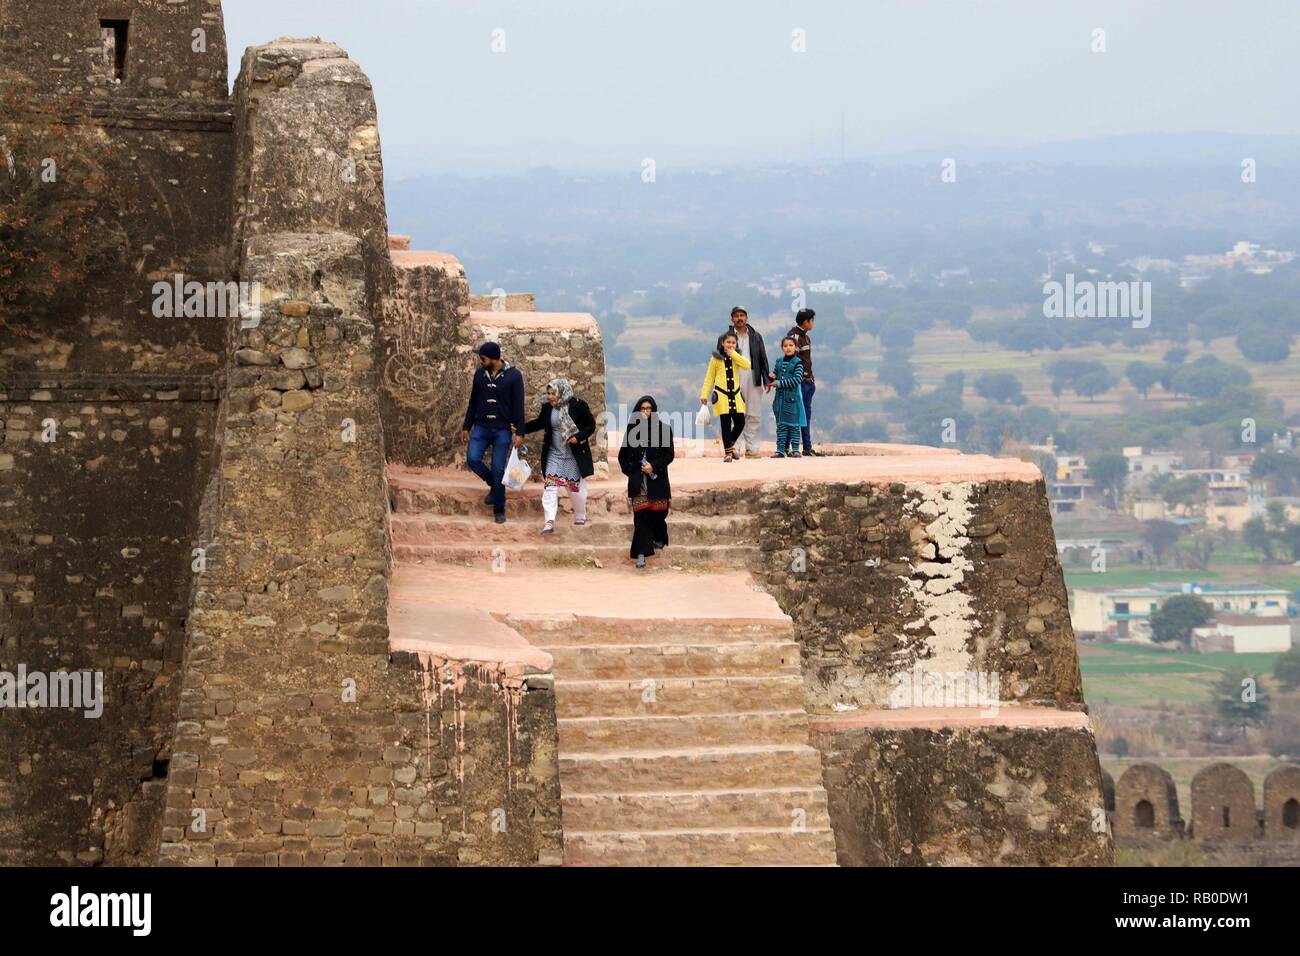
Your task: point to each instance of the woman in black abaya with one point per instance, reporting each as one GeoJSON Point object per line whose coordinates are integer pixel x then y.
{"type": "Point", "coordinates": [645, 456]}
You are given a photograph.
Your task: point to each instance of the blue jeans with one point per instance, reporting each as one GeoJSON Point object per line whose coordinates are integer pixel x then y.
{"type": "Point", "coordinates": [498, 437]}
{"type": "Point", "coordinates": [808, 389]}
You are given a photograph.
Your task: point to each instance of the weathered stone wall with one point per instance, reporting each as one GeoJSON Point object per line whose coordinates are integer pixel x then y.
{"type": "Point", "coordinates": [301, 738]}
{"type": "Point", "coordinates": [1282, 805]}
{"type": "Point", "coordinates": [1139, 787]}
{"type": "Point", "coordinates": [1270, 837]}
{"type": "Point", "coordinates": [98, 525]}
{"type": "Point", "coordinates": [956, 577]}
{"type": "Point", "coordinates": [96, 532]}
{"type": "Point", "coordinates": [504, 302]}
{"type": "Point", "coordinates": [58, 46]}
{"type": "Point", "coordinates": [427, 355]}
{"type": "Point", "coordinates": [299, 89]}
{"type": "Point", "coordinates": [998, 796]}
{"type": "Point", "coordinates": [1223, 805]}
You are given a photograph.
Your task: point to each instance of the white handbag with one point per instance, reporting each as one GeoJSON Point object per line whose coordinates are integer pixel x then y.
{"type": "Point", "coordinates": [703, 417]}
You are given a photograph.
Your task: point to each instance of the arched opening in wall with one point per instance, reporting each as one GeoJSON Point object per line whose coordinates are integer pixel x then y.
{"type": "Point", "coordinates": [1227, 818]}
{"type": "Point", "coordinates": [1144, 815]}
{"type": "Point", "coordinates": [1291, 814]}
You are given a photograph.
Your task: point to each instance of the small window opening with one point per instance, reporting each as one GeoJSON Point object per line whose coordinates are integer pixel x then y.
{"type": "Point", "coordinates": [1291, 814]}
{"type": "Point", "coordinates": [1227, 818]}
{"type": "Point", "coordinates": [113, 35]}
{"type": "Point", "coordinates": [160, 768]}
{"type": "Point", "coordinates": [1144, 815]}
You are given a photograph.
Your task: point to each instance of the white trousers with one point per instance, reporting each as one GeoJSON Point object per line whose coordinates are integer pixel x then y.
{"type": "Point", "coordinates": [754, 403]}
{"type": "Point", "coordinates": [551, 501]}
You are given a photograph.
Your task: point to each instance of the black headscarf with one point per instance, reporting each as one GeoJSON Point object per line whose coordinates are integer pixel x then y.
{"type": "Point", "coordinates": [644, 432]}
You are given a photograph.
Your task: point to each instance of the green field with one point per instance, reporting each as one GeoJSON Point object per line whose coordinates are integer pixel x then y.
{"type": "Point", "coordinates": [1128, 675]}
{"type": "Point", "coordinates": [1284, 576]}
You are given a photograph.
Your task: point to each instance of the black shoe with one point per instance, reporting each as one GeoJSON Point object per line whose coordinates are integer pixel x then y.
{"type": "Point", "coordinates": [487, 498]}
{"type": "Point", "coordinates": [499, 517]}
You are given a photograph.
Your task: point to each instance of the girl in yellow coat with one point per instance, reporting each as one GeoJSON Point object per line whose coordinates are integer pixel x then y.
{"type": "Point", "coordinates": [722, 389]}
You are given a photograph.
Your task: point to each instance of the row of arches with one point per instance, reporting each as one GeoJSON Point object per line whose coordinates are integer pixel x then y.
{"type": "Point", "coordinates": [1143, 805]}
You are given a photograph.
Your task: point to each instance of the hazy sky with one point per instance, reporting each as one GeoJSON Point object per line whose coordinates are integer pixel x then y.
{"type": "Point", "coordinates": [605, 83]}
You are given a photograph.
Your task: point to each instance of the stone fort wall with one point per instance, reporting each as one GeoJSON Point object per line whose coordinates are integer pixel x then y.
{"type": "Point", "coordinates": [943, 577]}
{"type": "Point", "coordinates": [302, 738]}
{"type": "Point", "coordinates": [1143, 806]}
{"type": "Point", "coordinates": [258, 712]}
{"type": "Point", "coordinates": [108, 416]}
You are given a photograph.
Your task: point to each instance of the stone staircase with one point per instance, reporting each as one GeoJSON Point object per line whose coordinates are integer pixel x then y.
{"type": "Point", "coordinates": [683, 738]}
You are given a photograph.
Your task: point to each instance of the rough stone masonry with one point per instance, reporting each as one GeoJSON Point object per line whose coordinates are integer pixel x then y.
{"type": "Point", "coordinates": [208, 526]}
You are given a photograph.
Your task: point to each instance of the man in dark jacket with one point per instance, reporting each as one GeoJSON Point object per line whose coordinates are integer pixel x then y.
{"type": "Point", "coordinates": [494, 419]}
{"type": "Point", "coordinates": [803, 325]}
{"type": "Point", "coordinates": [749, 343]}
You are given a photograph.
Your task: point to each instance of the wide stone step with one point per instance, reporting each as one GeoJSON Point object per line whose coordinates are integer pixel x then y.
{"type": "Point", "coordinates": [558, 554]}
{"type": "Point", "coordinates": [690, 768]}
{"type": "Point", "coordinates": [599, 530]}
{"type": "Point", "coordinates": [639, 661]}
{"type": "Point", "coordinates": [676, 696]}
{"type": "Point", "coordinates": [739, 846]}
{"type": "Point", "coordinates": [568, 630]}
{"type": "Point", "coordinates": [465, 498]}
{"type": "Point", "coordinates": [630, 812]}
{"type": "Point", "coordinates": [598, 734]}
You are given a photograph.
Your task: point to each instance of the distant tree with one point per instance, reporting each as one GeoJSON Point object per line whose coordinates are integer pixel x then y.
{"type": "Point", "coordinates": [1256, 535]}
{"type": "Point", "coordinates": [871, 323]}
{"type": "Point", "coordinates": [1143, 376]}
{"type": "Point", "coordinates": [1280, 469]}
{"type": "Point", "coordinates": [688, 353]}
{"type": "Point", "coordinates": [1064, 372]}
{"type": "Point", "coordinates": [985, 330]}
{"type": "Point", "coordinates": [897, 333]}
{"type": "Point", "coordinates": [1178, 617]}
{"type": "Point", "coordinates": [1286, 669]}
{"type": "Point", "coordinates": [1240, 699]}
{"type": "Point", "coordinates": [1262, 344]}
{"type": "Point", "coordinates": [896, 371]}
{"type": "Point", "coordinates": [1184, 490]}
{"type": "Point", "coordinates": [612, 325]}
{"type": "Point", "coordinates": [1031, 336]}
{"type": "Point", "coordinates": [1198, 549]}
{"type": "Point", "coordinates": [1036, 423]}
{"type": "Point", "coordinates": [1108, 472]}
{"type": "Point", "coordinates": [659, 356]}
{"type": "Point", "coordinates": [618, 356]}
{"type": "Point", "coordinates": [1046, 463]}
{"type": "Point", "coordinates": [869, 430]}
{"type": "Point", "coordinates": [831, 333]}
{"type": "Point", "coordinates": [1094, 384]}
{"type": "Point", "coordinates": [999, 387]}
{"type": "Point", "coordinates": [1120, 747]}
{"type": "Point", "coordinates": [1206, 378]}
{"type": "Point", "coordinates": [1161, 535]}
{"type": "Point", "coordinates": [1176, 356]}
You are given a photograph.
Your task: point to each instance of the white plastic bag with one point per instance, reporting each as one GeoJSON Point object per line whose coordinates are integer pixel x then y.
{"type": "Point", "coordinates": [517, 472]}
{"type": "Point", "coordinates": [703, 417]}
